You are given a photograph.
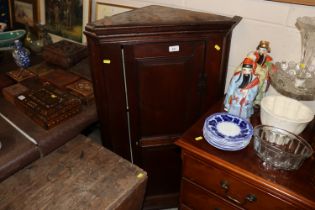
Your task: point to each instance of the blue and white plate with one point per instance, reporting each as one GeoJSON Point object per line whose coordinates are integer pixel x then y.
{"type": "Point", "coordinates": [227, 132]}
{"type": "Point", "coordinates": [224, 146]}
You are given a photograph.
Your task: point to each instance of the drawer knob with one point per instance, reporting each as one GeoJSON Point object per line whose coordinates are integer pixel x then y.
{"type": "Point", "coordinates": [249, 198]}
{"type": "Point", "coordinates": [225, 185]}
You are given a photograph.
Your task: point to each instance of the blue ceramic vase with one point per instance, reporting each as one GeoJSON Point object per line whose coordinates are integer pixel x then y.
{"type": "Point", "coordinates": [21, 55]}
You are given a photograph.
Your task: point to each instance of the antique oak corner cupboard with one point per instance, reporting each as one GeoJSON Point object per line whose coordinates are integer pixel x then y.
{"type": "Point", "coordinates": [155, 71]}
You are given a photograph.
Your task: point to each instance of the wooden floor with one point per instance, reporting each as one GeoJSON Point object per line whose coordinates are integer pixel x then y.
{"type": "Point", "coordinates": [95, 135]}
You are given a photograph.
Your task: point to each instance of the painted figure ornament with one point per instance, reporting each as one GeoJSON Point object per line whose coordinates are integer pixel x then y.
{"type": "Point", "coordinates": [242, 90]}
{"type": "Point", "coordinates": [264, 63]}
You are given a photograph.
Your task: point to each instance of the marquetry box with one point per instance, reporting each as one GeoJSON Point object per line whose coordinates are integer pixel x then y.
{"type": "Point", "coordinates": [5, 80]}
{"type": "Point", "coordinates": [20, 75]}
{"type": "Point", "coordinates": [59, 78]}
{"type": "Point", "coordinates": [83, 89]}
{"type": "Point", "coordinates": [64, 53]}
{"type": "Point", "coordinates": [48, 106]}
{"type": "Point", "coordinates": [12, 91]}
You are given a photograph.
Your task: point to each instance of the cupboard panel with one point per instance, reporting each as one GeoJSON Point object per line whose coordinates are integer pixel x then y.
{"type": "Point", "coordinates": [163, 91]}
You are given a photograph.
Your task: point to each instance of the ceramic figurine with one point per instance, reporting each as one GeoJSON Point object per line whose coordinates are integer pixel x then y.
{"type": "Point", "coordinates": [263, 64]}
{"type": "Point", "coordinates": [242, 90]}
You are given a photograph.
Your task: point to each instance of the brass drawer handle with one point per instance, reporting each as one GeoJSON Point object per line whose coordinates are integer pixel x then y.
{"type": "Point", "coordinates": [249, 198]}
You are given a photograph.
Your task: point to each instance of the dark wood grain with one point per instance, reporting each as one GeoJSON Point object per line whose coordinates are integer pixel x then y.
{"type": "Point", "coordinates": [156, 19]}
{"type": "Point", "coordinates": [294, 188]}
{"type": "Point", "coordinates": [79, 175]}
{"type": "Point", "coordinates": [163, 92]}
{"type": "Point", "coordinates": [305, 2]}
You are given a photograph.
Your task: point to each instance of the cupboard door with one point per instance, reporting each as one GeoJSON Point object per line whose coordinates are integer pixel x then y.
{"type": "Point", "coordinates": [163, 88]}
{"type": "Point", "coordinates": [164, 100]}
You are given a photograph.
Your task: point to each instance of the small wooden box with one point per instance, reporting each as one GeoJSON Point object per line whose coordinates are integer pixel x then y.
{"type": "Point", "coordinates": [12, 91]}
{"type": "Point", "coordinates": [5, 80]}
{"type": "Point", "coordinates": [48, 106]}
{"type": "Point", "coordinates": [64, 53]}
{"type": "Point", "coordinates": [41, 69]}
{"type": "Point", "coordinates": [59, 78]}
{"type": "Point", "coordinates": [79, 175]}
{"type": "Point", "coordinates": [83, 89]}
{"type": "Point", "coordinates": [20, 75]}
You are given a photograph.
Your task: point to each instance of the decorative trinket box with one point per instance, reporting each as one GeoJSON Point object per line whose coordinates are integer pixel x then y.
{"type": "Point", "coordinates": [41, 69]}
{"type": "Point", "coordinates": [20, 75]}
{"type": "Point", "coordinates": [64, 53]}
{"type": "Point", "coordinates": [48, 106]}
{"type": "Point", "coordinates": [84, 89]}
{"type": "Point", "coordinates": [12, 91]}
{"type": "Point", "coordinates": [82, 69]}
{"type": "Point", "coordinates": [5, 81]}
{"type": "Point", "coordinates": [60, 78]}
{"type": "Point", "coordinates": [33, 83]}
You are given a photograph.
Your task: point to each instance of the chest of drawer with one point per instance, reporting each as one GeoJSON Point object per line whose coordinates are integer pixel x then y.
{"type": "Point", "coordinates": [229, 186]}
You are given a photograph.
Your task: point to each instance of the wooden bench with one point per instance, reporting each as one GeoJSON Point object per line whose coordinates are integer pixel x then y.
{"type": "Point", "coordinates": [16, 151]}
{"type": "Point", "coordinates": [78, 175]}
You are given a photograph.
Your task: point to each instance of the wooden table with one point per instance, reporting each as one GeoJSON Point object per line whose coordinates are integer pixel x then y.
{"type": "Point", "coordinates": [16, 152]}
{"type": "Point", "coordinates": [216, 179]}
{"type": "Point", "coordinates": [79, 175]}
{"type": "Point", "coordinates": [49, 140]}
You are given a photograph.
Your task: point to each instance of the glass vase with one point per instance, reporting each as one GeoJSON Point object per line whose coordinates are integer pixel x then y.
{"type": "Point", "coordinates": [306, 26]}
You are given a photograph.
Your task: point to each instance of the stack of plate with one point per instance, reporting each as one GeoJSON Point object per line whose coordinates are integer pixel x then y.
{"type": "Point", "coordinates": [227, 132]}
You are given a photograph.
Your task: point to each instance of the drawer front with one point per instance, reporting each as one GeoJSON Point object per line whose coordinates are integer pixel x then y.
{"type": "Point", "coordinates": [194, 197]}
{"type": "Point", "coordinates": [166, 49]}
{"type": "Point", "coordinates": [230, 187]}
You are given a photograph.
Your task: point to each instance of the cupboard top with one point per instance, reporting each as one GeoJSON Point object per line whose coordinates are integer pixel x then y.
{"type": "Point", "coordinates": [155, 18]}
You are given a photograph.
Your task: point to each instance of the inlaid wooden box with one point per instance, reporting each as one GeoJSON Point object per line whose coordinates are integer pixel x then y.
{"type": "Point", "coordinates": [64, 53]}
